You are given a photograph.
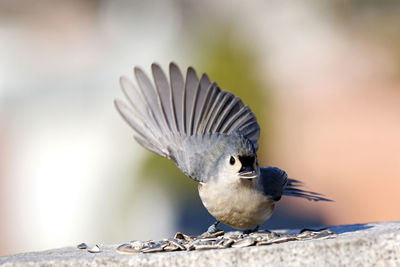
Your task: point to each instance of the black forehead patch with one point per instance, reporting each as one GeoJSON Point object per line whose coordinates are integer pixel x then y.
{"type": "Point", "coordinates": [247, 160]}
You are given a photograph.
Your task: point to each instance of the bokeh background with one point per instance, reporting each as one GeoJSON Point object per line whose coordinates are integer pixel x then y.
{"type": "Point", "coordinates": [323, 78]}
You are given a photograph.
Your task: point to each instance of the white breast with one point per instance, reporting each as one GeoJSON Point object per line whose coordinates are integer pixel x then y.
{"type": "Point", "coordinates": [239, 204]}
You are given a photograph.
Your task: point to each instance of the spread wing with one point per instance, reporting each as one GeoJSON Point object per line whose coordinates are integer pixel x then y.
{"type": "Point", "coordinates": [183, 118]}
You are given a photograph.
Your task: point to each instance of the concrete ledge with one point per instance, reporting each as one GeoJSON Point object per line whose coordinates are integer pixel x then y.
{"type": "Point", "coordinates": [363, 244]}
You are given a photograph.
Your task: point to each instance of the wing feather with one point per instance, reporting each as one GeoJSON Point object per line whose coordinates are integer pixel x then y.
{"type": "Point", "coordinates": [164, 95]}
{"type": "Point", "coordinates": [234, 118]}
{"type": "Point", "coordinates": [177, 100]}
{"type": "Point", "coordinates": [149, 146]}
{"type": "Point", "coordinates": [151, 97]}
{"type": "Point", "coordinates": [239, 122]}
{"type": "Point", "coordinates": [202, 93]}
{"type": "Point", "coordinates": [231, 108]}
{"type": "Point", "coordinates": [191, 88]}
{"type": "Point", "coordinates": [220, 102]}
{"type": "Point", "coordinates": [292, 189]}
{"type": "Point", "coordinates": [214, 93]}
{"type": "Point", "coordinates": [134, 120]}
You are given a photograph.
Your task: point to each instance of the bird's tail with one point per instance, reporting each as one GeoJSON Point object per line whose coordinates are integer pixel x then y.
{"type": "Point", "coordinates": [293, 189]}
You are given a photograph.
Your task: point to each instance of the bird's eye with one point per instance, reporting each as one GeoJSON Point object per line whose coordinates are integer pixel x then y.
{"type": "Point", "coordinates": [232, 160]}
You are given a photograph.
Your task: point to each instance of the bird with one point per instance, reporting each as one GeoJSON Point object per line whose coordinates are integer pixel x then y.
{"type": "Point", "coordinates": [212, 137]}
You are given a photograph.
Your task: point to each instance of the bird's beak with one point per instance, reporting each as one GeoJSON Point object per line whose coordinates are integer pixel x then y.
{"type": "Point", "coordinates": [247, 173]}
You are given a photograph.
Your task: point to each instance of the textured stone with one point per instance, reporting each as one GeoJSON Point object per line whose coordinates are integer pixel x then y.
{"type": "Point", "coordinates": [374, 244]}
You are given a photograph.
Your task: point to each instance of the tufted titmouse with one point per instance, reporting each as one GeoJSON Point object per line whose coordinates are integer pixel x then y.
{"type": "Point", "coordinates": [213, 138]}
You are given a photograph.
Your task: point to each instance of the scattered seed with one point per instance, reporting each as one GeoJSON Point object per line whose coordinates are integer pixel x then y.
{"type": "Point", "coordinates": [307, 234]}
{"type": "Point", "coordinates": [247, 242]}
{"type": "Point", "coordinates": [82, 246]}
{"type": "Point", "coordinates": [95, 249]}
{"type": "Point", "coordinates": [179, 235]}
{"type": "Point", "coordinates": [215, 241]}
{"type": "Point", "coordinates": [264, 242]}
{"type": "Point", "coordinates": [156, 247]}
{"type": "Point", "coordinates": [177, 244]}
{"type": "Point", "coordinates": [136, 245]}
{"type": "Point", "coordinates": [205, 244]}
{"type": "Point", "coordinates": [126, 249]}
{"type": "Point", "coordinates": [171, 248]}
{"type": "Point", "coordinates": [226, 243]}
{"type": "Point", "coordinates": [212, 235]}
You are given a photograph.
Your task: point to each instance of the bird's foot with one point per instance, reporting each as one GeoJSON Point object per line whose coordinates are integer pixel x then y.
{"type": "Point", "coordinates": [212, 231]}
{"type": "Point", "coordinates": [213, 228]}
{"type": "Point", "coordinates": [249, 231]}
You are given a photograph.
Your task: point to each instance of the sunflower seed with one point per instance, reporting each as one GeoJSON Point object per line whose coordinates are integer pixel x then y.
{"type": "Point", "coordinates": [177, 244]}
{"type": "Point", "coordinates": [204, 244]}
{"type": "Point", "coordinates": [127, 249]}
{"type": "Point", "coordinates": [179, 235]}
{"type": "Point", "coordinates": [212, 235]}
{"type": "Point", "coordinates": [216, 241]}
{"type": "Point", "coordinates": [243, 243]}
{"type": "Point", "coordinates": [95, 249]}
{"type": "Point", "coordinates": [156, 247]}
{"type": "Point", "coordinates": [307, 234]}
{"type": "Point", "coordinates": [171, 248]}
{"type": "Point", "coordinates": [82, 246]}
{"type": "Point", "coordinates": [226, 243]}
{"type": "Point", "coordinates": [135, 244]}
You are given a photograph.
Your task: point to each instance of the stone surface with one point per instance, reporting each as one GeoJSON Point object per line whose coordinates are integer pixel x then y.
{"type": "Point", "coordinates": [374, 244]}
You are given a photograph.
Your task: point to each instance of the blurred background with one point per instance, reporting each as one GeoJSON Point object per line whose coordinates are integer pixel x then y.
{"type": "Point", "coordinates": [323, 78]}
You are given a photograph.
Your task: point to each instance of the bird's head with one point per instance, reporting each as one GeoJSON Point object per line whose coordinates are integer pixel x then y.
{"type": "Point", "coordinates": [239, 160]}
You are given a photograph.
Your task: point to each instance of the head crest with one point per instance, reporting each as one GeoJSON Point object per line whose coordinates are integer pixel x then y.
{"type": "Point", "coordinates": [238, 144]}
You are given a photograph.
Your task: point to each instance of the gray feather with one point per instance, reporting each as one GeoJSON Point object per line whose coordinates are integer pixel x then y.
{"type": "Point", "coordinates": [220, 102]}
{"type": "Point", "coordinates": [203, 92]}
{"type": "Point", "coordinates": [211, 100]}
{"type": "Point", "coordinates": [273, 181]}
{"type": "Point", "coordinates": [128, 114]}
{"type": "Point", "coordinates": [251, 130]}
{"type": "Point", "coordinates": [164, 94]}
{"type": "Point", "coordinates": [177, 90]}
{"type": "Point", "coordinates": [225, 107]}
{"type": "Point", "coordinates": [191, 86]}
{"type": "Point", "coordinates": [232, 108]}
{"type": "Point", "coordinates": [137, 101]}
{"type": "Point", "coordinates": [276, 183]}
{"type": "Point", "coordinates": [149, 146]}
{"type": "Point", "coordinates": [132, 93]}
{"type": "Point", "coordinates": [292, 189]}
{"type": "Point", "coordinates": [152, 99]}
{"type": "Point", "coordinates": [228, 126]}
